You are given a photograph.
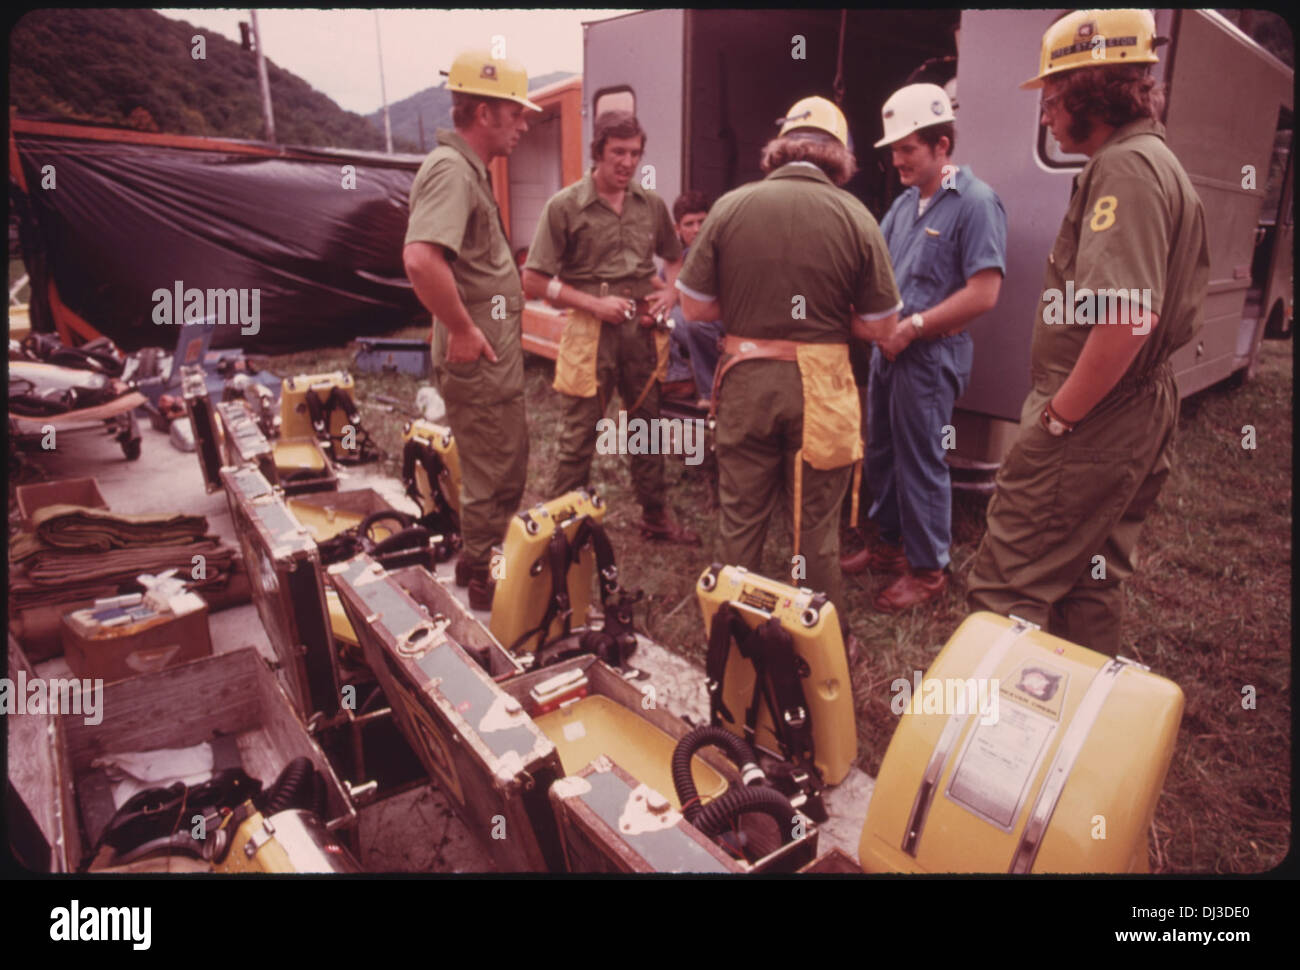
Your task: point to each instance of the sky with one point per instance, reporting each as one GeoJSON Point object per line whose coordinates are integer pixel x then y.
{"type": "Point", "coordinates": [335, 50]}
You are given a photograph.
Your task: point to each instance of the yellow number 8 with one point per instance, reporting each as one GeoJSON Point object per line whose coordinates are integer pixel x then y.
{"type": "Point", "coordinates": [1103, 214]}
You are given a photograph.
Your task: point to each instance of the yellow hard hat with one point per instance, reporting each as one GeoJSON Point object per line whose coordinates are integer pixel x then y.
{"type": "Point", "coordinates": [475, 72]}
{"type": "Point", "coordinates": [1093, 38]}
{"type": "Point", "coordinates": [816, 113]}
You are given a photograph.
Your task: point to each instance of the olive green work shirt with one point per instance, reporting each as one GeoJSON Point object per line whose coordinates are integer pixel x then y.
{"type": "Point", "coordinates": [583, 241]}
{"type": "Point", "coordinates": [452, 206]}
{"type": "Point", "coordinates": [1135, 225]}
{"type": "Point", "coordinates": [791, 257]}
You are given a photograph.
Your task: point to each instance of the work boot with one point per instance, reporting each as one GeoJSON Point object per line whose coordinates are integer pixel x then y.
{"type": "Point", "coordinates": [482, 588]}
{"type": "Point", "coordinates": [916, 587]}
{"type": "Point", "coordinates": [463, 572]}
{"type": "Point", "coordinates": [657, 523]}
{"type": "Point", "coordinates": [885, 559]}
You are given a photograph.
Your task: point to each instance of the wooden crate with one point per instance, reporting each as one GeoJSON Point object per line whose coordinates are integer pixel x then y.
{"type": "Point", "coordinates": [232, 694]}
{"type": "Point", "coordinates": [620, 722]}
{"type": "Point", "coordinates": [475, 741]}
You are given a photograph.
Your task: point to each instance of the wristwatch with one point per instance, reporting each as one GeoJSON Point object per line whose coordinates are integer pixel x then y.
{"type": "Point", "coordinates": [917, 321]}
{"type": "Point", "coordinates": [1053, 423]}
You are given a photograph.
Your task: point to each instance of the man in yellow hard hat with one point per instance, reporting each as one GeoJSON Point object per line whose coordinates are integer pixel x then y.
{"type": "Point", "coordinates": [460, 264]}
{"type": "Point", "coordinates": [795, 267]}
{"type": "Point", "coordinates": [947, 236]}
{"type": "Point", "coordinates": [1125, 287]}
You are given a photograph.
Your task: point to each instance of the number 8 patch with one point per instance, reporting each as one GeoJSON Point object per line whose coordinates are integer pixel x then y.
{"type": "Point", "coordinates": [1103, 213]}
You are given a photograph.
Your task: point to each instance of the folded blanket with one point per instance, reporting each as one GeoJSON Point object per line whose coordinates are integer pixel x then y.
{"type": "Point", "coordinates": [87, 529]}
{"type": "Point", "coordinates": [52, 567]}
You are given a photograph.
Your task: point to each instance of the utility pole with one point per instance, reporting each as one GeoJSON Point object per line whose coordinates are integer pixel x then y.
{"type": "Point", "coordinates": [383, 96]}
{"type": "Point", "coordinates": [262, 80]}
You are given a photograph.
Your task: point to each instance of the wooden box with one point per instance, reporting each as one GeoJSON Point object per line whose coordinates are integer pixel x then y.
{"type": "Point", "coordinates": [242, 440]}
{"type": "Point", "coordinates": [475, 741]}
{"type": "Point", "coordinates": [289, 589]}
{"type": "Point", "coordinates": [232, 694]}
{"type": "Point", "coordinates": [69, 491]}
{"type": "Point", "coordinates": [114, 653]}
{"type": "Point", "coordinates": [203, 422]}
{"type": "Point", "coordinates": [611, 822]}
{"type": "Point", "coordinates": [600, 714]}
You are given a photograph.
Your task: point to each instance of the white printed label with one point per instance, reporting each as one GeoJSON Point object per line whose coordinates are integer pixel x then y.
{"type": "Point", "coordinates": [998, 762]}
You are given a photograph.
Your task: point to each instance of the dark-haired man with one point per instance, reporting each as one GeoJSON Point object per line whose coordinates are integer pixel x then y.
{"type": "Point", "coordinates": [594, 252]}
{"type": "Point", "coordinates": [947, 236]}
{"type": "Point", "coordinates": [1096, 434]}
{"type": "Point", "coordinates": [698, 337]}
{"type": "Point", "coordinates": [460, 265]}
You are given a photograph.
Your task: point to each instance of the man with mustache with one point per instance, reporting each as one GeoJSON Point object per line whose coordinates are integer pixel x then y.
{"type": "Point", "coordinates": [594, 252]}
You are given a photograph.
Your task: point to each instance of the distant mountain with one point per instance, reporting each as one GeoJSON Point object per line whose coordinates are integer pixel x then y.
{"type": "Point", "coordinates": [433, 107]}
{"type": "Point", "coordinates": [135, 69]}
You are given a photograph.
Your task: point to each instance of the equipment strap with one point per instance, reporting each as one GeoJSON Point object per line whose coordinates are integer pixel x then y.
{"type": "Point", "coordinates": [778, 675]}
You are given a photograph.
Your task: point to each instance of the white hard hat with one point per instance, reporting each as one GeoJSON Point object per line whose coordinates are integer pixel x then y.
{"type": "Point", "coordinates": [915, 106]}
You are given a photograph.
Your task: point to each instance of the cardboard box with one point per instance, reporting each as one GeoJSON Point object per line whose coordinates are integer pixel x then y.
{"type": "Point", "coordinates": [69, 491]}
{"type": "Point", "coordinates": [111, 653]}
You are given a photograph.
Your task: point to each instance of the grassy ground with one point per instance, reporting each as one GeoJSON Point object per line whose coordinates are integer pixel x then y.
{"type": "Point", "coordinates": [1210, 606]}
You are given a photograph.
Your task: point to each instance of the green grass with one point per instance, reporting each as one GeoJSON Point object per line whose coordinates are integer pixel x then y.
{"type": "Point", "coordinates": [1210, 606]}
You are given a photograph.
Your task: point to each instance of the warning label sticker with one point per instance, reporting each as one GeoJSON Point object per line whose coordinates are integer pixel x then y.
{"type": "Point", "coordinates": [998, 763]}
{"type": "Point", "coordinates": [759, 598]}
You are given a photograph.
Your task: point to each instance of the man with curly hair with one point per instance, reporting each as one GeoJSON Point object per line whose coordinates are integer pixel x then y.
{"type": "Point", "coordinates": [1125, 287]}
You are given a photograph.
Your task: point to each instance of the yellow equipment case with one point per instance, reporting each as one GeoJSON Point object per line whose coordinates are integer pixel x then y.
{"type": "Point", "coordinates": [529, 609]}
{"type": "Point", "coordinates": [795, 635]}
{"type": "Point", "coordinates": [1021, 752]}
{"type": "Point", "coordinates": [475, 741]}
{"type": "Point", "coordinates": [431, 466]}
{"type": "Point", "coordinates": [323, 407]}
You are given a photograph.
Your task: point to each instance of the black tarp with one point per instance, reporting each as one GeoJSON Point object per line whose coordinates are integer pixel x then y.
{"type": "Point", "coordinates": [127, 219]}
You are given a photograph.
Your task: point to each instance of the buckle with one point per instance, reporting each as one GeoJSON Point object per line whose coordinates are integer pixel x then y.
{"type": "Point", "coordinates": [796, 718]}
{"type": "Point", "coordinates": [712, 685]}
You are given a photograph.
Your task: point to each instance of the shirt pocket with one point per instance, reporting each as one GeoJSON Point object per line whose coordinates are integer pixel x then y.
{"type": "Point", "coordinates": [936, 270]}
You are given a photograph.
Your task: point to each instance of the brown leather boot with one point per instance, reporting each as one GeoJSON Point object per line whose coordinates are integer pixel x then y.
{"type": "Point", "coordinates": [888, 560]}
{"type": "Point", "coordinates": [917, 587]}
{"type": "Point", "coordinates": [658, 524]}
{"type": "Point", "coordinates": [463, 571]}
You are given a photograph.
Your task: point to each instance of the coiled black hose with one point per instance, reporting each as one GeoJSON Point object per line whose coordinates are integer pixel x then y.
{"type": "Point", "coordinates": [718, 816]}
{"type": "Point", "coordinates": [735, 747]}
{"type": "Point", "coordinates": [295, 788]}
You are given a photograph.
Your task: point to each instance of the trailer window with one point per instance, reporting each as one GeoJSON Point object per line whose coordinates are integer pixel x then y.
{"type": "Point", "coordinates": [613, 99]}
{"type": "Point", "coordinates": [1050, 153]}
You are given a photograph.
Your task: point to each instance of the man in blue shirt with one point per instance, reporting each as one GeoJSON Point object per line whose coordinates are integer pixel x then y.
{"type": "Point", "coordinates": [947, 239]}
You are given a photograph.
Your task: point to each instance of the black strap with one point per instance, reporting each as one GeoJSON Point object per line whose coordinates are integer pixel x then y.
{"type": "Point", "coordinates": [443, 518]}
{"type": "Point", "coordinates": [557, 555]}
{"type": "Point", "coordinates": [778, 681]}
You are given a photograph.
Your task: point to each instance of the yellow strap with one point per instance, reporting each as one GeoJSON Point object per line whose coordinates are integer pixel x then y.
{"type": "Point", "coordinates": [798, 498]}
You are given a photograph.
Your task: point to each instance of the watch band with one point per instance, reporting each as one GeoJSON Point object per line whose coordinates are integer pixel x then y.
{"type": "Point", "coordinates": [918, 322]}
